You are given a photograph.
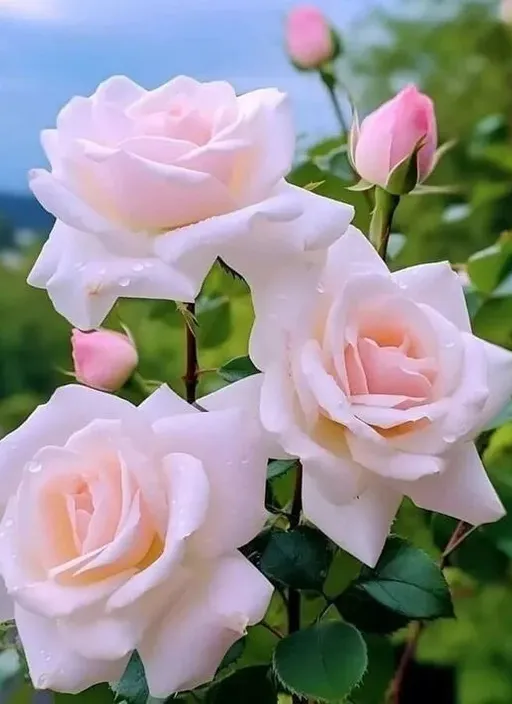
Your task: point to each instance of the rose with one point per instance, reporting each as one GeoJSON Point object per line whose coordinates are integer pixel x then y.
{"type": "Point", "coordinates": [120, 532]}
{"type": "Point", "coordinates": [310, 41]}
{"type": "Point", "coordinates": [376, 383]}
{"type": "Point", "coordinates": [391, 135]}
{"type": "Point", "coordinates": [103, 359]}
{"type": "Point", "coordinates": [150, 187]}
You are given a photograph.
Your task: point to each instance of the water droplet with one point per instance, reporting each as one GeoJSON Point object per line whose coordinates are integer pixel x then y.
{"type": "Point", "coordinates": [148, 265]}
{"type": "Point", "coordinates": [124, 282]}
{"type": "Point", "coordinates": [245, 461]}
{"type": "Point", "coordinates": [34, 467]}
{"type": "Point", "coordinates": [47, 657]}
{"type": "Point", "coordinates": [320, 288]}
{"type": "Point", "coordinates": [2, 534]}
{"type": "Point", "coordinates": [450, 439]}
{"type": "Point", "coordinates": [449, 345]}
{"type": "Point", "coordinates": [402, 285]}
{"type": "Point", "coordinates": [42, 682]}
{"type": "Point", "coordinates": [138, 267]}
{"type": "Point", "coordinates": [9, 523]}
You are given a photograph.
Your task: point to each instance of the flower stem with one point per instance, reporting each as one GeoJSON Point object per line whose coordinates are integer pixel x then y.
{"type": "Point", "coordinates": [192, 371]}
{"type": "Point", "coordinates": [458, 536]}
{"type": "Point", "coordinates": [294, 601]}
{"type": "Point", "coordinates": [382, 218]}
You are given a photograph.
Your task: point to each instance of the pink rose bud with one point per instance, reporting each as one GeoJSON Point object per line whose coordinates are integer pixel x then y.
{"type": "Point", "coordinates": [389, 137]}
{"type": "Point", "coordinates": [103, 359]}
{"type": "Point", "coordinates": [506, 11]}
{"type": "Point", "coordinates": [310, 41]}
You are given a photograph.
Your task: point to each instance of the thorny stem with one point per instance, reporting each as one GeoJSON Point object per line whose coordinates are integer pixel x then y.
{"type": "Point", "coordinates": [382, 219]}
{"type": "Point", "coordinates": [294, 603]}
{"type": "Point", "coordinates": [192, 372]}
{"type": "Point", "coordinates": [458, 536]}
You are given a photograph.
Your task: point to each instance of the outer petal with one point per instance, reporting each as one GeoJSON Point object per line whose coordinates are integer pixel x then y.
{"type": "Point", "coordinates": [499, 380]}
{"type": "Point", "coordinates": [6, 604]}
{"type": "Point", "coordinates": [53, 665]}
{"type": "Point", "coordinates": [463, 490]}
{"type": "Point", "coordinates": [360, 527]}
{"type": "Point", "coordinates": [70, 408]}
{"type": "Point", "coordinates": [186, 648]}
{"type": "Point", "coordinates": [164, 403]}
{"type": "Point", "coordinates": [84, 279]}
{"type": "Point", "coordinates": [438, 286]}
{"type": "Point", "coordinates": [230, 449]}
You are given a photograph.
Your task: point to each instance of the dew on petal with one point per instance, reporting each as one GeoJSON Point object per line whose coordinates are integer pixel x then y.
{"type": "Point", "coordinates": [9, 523]}
{"type": "Point", "coordinates": [138, 267]}
{"type": "Point", "coordinates": [124, 282]}
{"type": "Point", "coordinates": [320, 288]}
{"type": "Point", "coordinates": [34, 467]}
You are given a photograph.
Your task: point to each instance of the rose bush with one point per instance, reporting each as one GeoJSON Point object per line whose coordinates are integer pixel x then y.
{"type": "Point", "coordinates": [150, 187]}
{"type": "Point", "coordinates": [120, 532]}
{"type": "Point", "coordinates": [375, 381]}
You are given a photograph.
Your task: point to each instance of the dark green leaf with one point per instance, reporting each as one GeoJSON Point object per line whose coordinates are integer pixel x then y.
{"type": "Point", "coordinates": [359, 608]}
{"type": "Point", "coordinates": [407, 581]}
{"type": "Point", "coordinates": [213, 315]}
{"type": "Point", "coordinates": [250, 685]}
{"type": "Point", "coordinates": [298, 558]}
{"type": "Point", "coordinates": [132, 687]}
{"type": "Point", "coordinates": [237, 368]}
{"type": "Point", "coordinates": [276, 468]}
{"type": "Point", "coordinates": [233, 654]}
{"type": "Point", "coordinates": [99, 694]}
{"type": "Point", "coordinates": [324, 662]}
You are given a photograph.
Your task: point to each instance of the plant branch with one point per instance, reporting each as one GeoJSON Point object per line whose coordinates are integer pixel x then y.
{"type": "Point", "coordinates": [382, 220]}
{"type": "Point", "coordinates": [459, 535]}
{"type": "Point", "coordinates": [192, 372]}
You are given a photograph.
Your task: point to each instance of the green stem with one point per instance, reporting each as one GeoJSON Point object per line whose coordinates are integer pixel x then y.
{"type": "Point", "coordinates": [382, 218]}
{"type": "Point", "coordinates": [191, 374]}
{"type": "Point", "coordinates": [294, 601]}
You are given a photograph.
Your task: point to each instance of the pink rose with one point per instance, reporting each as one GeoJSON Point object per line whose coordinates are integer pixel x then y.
{"type": "Point", "coordinates": [150, 187]}
{"type": "Point", "coordinates": [389, 136]}
{"type": "Point", "coordinates": [375, 381]}
{"type": "Point", "coordinates": [116, 537]}
{"type": "Point", "coordinates": [310, 41]}
{"type": "Point", "coordinates": [104, 359]}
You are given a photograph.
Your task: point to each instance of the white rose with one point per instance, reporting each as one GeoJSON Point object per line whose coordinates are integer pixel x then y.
{"type": "Point", "coordinates": [150, 187]}
{"type": "Point", "coordinates": [375, 381]}
{"type": "Point", "coordinates": [120, 533]}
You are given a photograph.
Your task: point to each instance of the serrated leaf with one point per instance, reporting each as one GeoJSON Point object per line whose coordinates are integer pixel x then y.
{"type": "Point", "coordinates": [132, 687]}
{"type": "Point", "coordinates": [276, 468]}
{"type": "Point", "coordinates": [408, 582]}
{"type": "Point", "coordinates": [324, 662]}
{"type": "Point", "coordinates": [233, 654]}
{"type": "Point", "coordinates": [237, 368]}
{"type": "Point", "coordinates": [367, 614]}
{"type": "Point", "coordinates": [297, 558]}
{"type": "Point", "coordinates": [250, 685]}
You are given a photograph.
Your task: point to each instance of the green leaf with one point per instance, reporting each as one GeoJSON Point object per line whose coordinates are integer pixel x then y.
{"type": "Point", "coordinates": [360, 609]}
{"type": "Point", "coordinates": [233, 654]}
{"type": "Point", "coordinates": [323, 662]}
{"type": "Point", "coordinates": [361, 185]}
{"type": "Point", "coordinates": [132, 687]}
{"type": "Point", "coordinates": [213, 315]}
{"type": "Point", "coordinates": [407, 581]}
{"type": "Point", "coordinates": [99, 694]}
{"type": "Point", "coordinates": [297, 558]}
{"type": "Point", "coordinates": [237, 368]}
{"type": "Point", "coordinates": [276, 468]}
{"type": "Point", "coordinates": [395, 244]}
{"type": "Point", "coordinates": [10, 665]}
{"type": "Point", "coordinates": [488, 267]}
{"type": "Point", "coordinates": [250, 685]}
{"type": "Point", "coordinates": [381, 667]}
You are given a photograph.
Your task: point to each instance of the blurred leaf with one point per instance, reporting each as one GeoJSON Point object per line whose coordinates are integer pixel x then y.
{"type": "Point", "coordinates": [395, 244]}
{"type": "Point", "coordinates": [99, 694]}
{"type": "Point", "coordinates": [504, 417]}
{"type": "Point", "coordinates": [323, 662]}
{"type": "Point", "coordinates": [237, 368]}
{"type": "Point", "coordinates": [23, 693]}
{"type": "Point", "coordinates": [213, 314]}
{"type": "Point", "coordinates": [381, 667]}
{"type": "Point", "coordinates": [493, 321]}
{"type": "Point", "coordinates": [250, 685]}
{"type": "Point", "coordinates": [132, 687]}
{"type": "Point", "coordinates": [488, 267]}
{"type": "Point", "coordinates": [276, 468]}
{"type": "Point", "coordinates": [10, 665]}
{"type": "Point", "coordinates": [298, 558]}
{"type": "Point", "coordinates": [457, 212]}
{"type": "Point", "coordinates": [407, 581]}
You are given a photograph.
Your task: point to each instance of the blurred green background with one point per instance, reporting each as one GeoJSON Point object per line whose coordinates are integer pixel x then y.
{"type": "Point", "coordinates": [460, 53]}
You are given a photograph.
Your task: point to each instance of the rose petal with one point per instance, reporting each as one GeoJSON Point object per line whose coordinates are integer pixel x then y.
{"type": "Point", "coordinates": [185, 649]}
{"type": "Point", "coordinates": [359, 527]}
{"type": "Point", "coordinates": [499, 380]}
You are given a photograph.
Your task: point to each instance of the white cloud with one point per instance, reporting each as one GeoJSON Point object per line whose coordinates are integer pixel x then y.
{"type": "Point", "coordinates": [31, 9]}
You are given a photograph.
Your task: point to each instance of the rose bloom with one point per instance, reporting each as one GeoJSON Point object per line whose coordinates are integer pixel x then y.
{"type": "Point", "coordinates": [375, 381]}
{"type": "Point", "coordinates": [104, 359]}
{"type": "Point", "coordinates": [120, 533]}
{"type": "Point", "coordinates": [150, 187]}
{"type": "Point", "coordinates": [390, 135]}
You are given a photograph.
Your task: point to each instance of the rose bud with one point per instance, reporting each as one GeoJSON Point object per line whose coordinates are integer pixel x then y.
{"type": "Point", "coordinates": [310, 40]}
{"type": "Point", "coordinates": [103, 359]}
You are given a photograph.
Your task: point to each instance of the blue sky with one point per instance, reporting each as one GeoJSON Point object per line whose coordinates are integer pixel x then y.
{"type": "Point", "coordinates": [51, 50]}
